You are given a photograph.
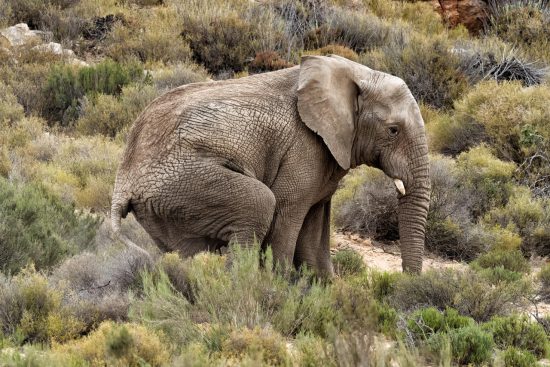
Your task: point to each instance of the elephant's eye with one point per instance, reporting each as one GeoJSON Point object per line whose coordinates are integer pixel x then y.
{"type": "Point", "coordinates": [392, 131]}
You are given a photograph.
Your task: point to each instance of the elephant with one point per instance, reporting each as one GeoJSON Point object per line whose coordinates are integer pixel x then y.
{"type": "Point", "coordinates": [258, 159]}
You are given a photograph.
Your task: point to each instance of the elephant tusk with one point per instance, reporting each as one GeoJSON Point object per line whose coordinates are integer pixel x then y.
{"type": "Point", "coordinates": [399, 184]}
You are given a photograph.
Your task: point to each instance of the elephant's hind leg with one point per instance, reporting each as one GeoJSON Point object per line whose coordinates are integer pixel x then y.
{"type": "Point", "coordinates": [225, 205]}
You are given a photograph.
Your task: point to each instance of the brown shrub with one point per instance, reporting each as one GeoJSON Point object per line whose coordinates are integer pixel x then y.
{"type": "Point", "coordinates": [267, 61]}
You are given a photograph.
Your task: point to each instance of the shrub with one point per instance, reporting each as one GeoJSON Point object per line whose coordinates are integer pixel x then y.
{"type": "Point", "coordinates": [518, 331]}
{"type": "Point", "coordinates": [174, 76]}
{"type": "Point", "coordinates": [10, 110]}
{"type": "Point", "coordinates": [125, 344]}
{"type": "Point", "coordinates": [314, 351]}
{"type": "Point", "coordinates": [367, 204]}
{"type": "Point", "coordinates": [66, 86]}
{"type": "Point", "coordinates": [262, 345]}
{"type": "Point", "coordinates": [267, 61]}
{"type": "Point", "coordinates": [242, 295]}
{"type": "Point", "coordinates": [509, 260]}
{"type": "Point", "coordinates": [465, 291]}
{"type": "Point", "coordinates": [359, 31]}
{"type": "Point", "coordinates": [483, 175]}
{"type": "Point", "coordinates": [82, 171]}
{"type": "Point", "coordinates": [514, 357]}
{"type": "Point", "coordinates": [461, 192]}
{"type": "Point", "coordinates": [492, 107]}
{"type": "Point", "coordinates": [427, 65]}
{"type": "Point", "coordinates": [348, 262]}
{"type": "Point", "coordinates": [499, 274]}
{"type": "Point", "coordinates": [27, 82]}
{"type": "Point", "coordinates": [468, 344]}
{"type": "Point", "coordinates": [523, 23]}
{"type": "Point", "coordinates": [223, 44]}
{"type": "Point", "coordinates": [526, 215]}
{"type": "Point", "coordinates": [334, 49]}
{"type": "Point", "coordinates": [382, 284]}
{"type": "Point", "coordinates": [109, 115]}
{"type": "Point", "coordinates": [449, 136]}
{"type": "Point", "coordinates": [177, 271]}
{"type": "Point", "coordinates": [497, 60]}
{"type": "Point", "coordinates": [426, 322]}
{"type": "Point", "coordinates": [148, 36]}
{"type": "Point", "coordinates": [36, 226]}
{"type": "Point", "coordinates": [32, 311]}
{"type": "Point", "coordinates": [544, 279]}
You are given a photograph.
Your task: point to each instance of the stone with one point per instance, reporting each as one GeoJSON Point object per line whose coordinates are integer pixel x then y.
{"type": "Point", "coordinates": [19, 35]}
{"type": "Point", "coordinates": [471, 13]}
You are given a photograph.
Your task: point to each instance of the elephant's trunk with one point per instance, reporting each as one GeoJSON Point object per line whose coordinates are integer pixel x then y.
{"type": "Point", "coordinates": [413, 211]}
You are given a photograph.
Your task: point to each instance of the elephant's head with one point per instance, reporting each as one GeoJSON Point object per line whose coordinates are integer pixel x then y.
{"type": "Point", "coordinates": [369, 117]}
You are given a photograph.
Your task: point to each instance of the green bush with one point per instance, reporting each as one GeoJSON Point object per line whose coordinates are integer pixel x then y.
{"type": "Point", "coordinates": [32, 310]}
{"type": "Point", "coordinates": [518, 331]}
{"type": "Point", "coordinates": [81, 170]}
{"type": "Point", "coordinates": [313, 352]}
{"type": "Point", "coordinates": [466, 291]}
{"type": "Point", "coordinates": [426, 64]}
{"type": "Point", "coordinates": [462, 191]}
{"type": "Point", "coordinates": [10, 110]}
{"type": "Point", "coordinates": [66, 85]}
{"type": "Point", "coordinates": [528, 216]}
{"type": "Point", "coordinates": [469, 344]}
{"type": "Point", "coordinates": [522, 23]}
{"type": "Point", "coordinates": [121, 345]}
{"type": "Point", "coordinates": [425, 322]}
{"type": "Point", "coordinates": [544, 279]}
{"type": "Point", "coordinates": [148, 36]}
{"type": "Point", "coordinates": [483, 175]}
{"type": "Point", "coordinates": [382, 284]}
{"type": "Point", "coordinates": [514, 357]}
{"type": "Point", "coordinates": [37, 227]}
{"type": "Point", "coordinates": [495, 113]}
{"type": "Point", "coordinates": [109, 115]}
{"type": "Point", "coordinates": [509, 260]}
{"type": "Point", "coordinates": [359, 31]}
{"type": "Point", "coordinates": [262, 345]}
{"type": "Point", "coordinates": [27, 81]}
{"type": "Point", "coordinates": [348, 262]}
{"type": "Point", "coordinates": [177, 75]}
{"type": "Point", "coordinates": [498, 274]}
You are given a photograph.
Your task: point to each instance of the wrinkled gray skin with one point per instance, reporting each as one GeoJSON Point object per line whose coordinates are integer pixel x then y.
{"type": "Point", "coordinates": [260, 157]}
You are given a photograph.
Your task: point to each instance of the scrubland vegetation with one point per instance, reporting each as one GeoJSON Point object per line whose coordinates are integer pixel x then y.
{"type": "Point", "coordinates": [71, 295]}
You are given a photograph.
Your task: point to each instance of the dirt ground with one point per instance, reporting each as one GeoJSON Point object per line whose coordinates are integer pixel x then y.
{"type": "Point", "coordinates": [387, 257]}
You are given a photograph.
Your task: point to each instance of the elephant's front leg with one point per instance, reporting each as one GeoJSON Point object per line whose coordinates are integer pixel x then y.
{"type": "Point", "coordinates": [313, 245]}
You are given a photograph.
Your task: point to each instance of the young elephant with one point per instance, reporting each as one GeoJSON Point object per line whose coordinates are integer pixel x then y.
{"type": "Point", "coordinates": [258, 158]}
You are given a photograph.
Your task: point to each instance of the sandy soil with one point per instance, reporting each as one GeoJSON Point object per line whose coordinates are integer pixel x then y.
{"type": "Point", "coordinates": [384, 256]}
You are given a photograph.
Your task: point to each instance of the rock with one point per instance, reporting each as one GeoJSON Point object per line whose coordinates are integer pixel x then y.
{"type": "Point", "coordinates": [19, 35]}
{"type": "Point", "coordinates": [471, 13]}
{"type": "Point", "coordinates": [57, 49]}
{"type": "Point", "coordinates": [54, 48]}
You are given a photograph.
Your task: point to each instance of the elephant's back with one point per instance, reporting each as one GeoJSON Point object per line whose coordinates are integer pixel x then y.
{"type": "Point", "coordinates": [221, 118]}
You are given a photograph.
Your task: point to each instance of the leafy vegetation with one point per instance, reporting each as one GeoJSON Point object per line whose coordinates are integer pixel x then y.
{"type": "Point", "coordinates": [70, 294]}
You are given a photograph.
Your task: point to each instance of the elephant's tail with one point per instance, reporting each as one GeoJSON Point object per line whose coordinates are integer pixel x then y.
{"type": "Point", "coordinates": [119, 209]}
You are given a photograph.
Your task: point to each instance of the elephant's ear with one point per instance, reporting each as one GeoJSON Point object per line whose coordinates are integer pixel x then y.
{"type": "Point", "coordinates": [327, 98]}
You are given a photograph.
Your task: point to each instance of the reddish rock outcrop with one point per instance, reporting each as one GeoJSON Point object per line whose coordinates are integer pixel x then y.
{"type": "Point", "coordinates": [471, 13]}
